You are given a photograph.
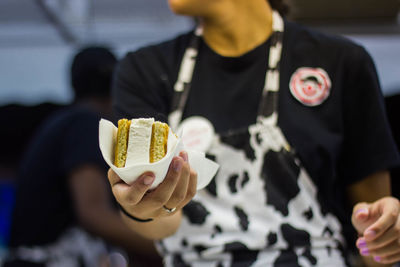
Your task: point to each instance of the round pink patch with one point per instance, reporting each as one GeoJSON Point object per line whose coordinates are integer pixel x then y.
{"type": "Point", "coordinates": [310, 86]}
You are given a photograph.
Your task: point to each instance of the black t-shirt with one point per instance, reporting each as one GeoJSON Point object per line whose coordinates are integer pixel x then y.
{"type": "Point", "coordinates": [339, 141]}
{"type": "Point", "coordinates": [43, 209]}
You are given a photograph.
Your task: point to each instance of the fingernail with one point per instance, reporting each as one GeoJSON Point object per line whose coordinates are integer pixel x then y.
{"type": "Point", "coordinates": [370, 234]}
{"type": "Point", "coordinates": [363, 210]}
{"type": "Point", "coordinates": [177, 165]}
{"type": "Point", "coordinates": [184, 156]}
{"type": "Point", "coordinates": [364, 252]}
{"type": "Point", "coordinates": [148, 180]}
{"type": "Point", "coordinates": [362, 243]}
{"type": "Point", "coordinates": [377, 258]}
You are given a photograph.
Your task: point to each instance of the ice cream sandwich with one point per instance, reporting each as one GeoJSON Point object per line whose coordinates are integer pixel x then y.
{"type": "Point", "coordinates": [140, 141]}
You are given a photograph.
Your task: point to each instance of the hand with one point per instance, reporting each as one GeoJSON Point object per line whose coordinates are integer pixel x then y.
{"type": "Point", "coordinates": [378, 224]}
{"type": "Point", "coordinates": [177, 189]}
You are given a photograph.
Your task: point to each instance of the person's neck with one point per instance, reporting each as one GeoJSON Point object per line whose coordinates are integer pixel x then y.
{"type": "Point", "coordinates": [240, 29]}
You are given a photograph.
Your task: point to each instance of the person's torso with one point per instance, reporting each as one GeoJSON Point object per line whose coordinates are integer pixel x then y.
{"type": "Point", "coordinates": [43, 207]}
{"type": "Point", "coordinates": [262, 207]}
{"type": "Point", "coordinates": [227, 92]}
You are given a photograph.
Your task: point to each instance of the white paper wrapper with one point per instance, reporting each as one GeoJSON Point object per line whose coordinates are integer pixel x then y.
{"type": "Point", "coordinates": [204, 167]}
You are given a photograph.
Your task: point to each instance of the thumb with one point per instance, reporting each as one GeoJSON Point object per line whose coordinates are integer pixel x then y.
{"type": "Point", "coordinates": [360, 216]}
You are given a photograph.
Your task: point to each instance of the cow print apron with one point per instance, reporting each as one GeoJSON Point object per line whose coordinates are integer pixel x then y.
{"type": "Point", "coordinates": [261, 208]}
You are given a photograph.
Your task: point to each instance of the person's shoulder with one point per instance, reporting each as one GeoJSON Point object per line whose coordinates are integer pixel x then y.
{"type": "Point", "coordinates": [318, 41]}
{"type": "Point", "coordinates": [144, 67]}
{"type": "Point", "coordinates": [70, 115]}
{"type": "Point", "coordinates": [167, 49]}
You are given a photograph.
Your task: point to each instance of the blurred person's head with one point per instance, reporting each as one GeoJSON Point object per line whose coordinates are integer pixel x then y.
{"type": "Point", "coordinates": [205, 7]}
{"type": "Point", "coordinates": [91, 72]}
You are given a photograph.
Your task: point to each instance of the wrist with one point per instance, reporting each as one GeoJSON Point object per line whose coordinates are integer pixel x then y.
{"type": "Point", "coordinates": [127, 214]}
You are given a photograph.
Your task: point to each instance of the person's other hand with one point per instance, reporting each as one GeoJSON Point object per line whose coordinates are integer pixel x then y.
{"type": "Point", "coordinates": [378, 225]}
{"type": "Point", "coordinates": [177, 189]}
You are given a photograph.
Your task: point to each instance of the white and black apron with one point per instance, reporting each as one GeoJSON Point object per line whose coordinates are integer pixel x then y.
{"type": "Point", "coordinates": [261, 208]}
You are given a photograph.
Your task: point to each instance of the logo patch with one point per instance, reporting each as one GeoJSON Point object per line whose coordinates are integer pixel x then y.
{"type": "Point", "coordinates": [310, 86]}
{"type": "Point", "coordinates": [197, 133]}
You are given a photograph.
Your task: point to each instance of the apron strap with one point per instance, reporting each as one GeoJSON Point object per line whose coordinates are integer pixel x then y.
{"type": "Point", "coordinates": [184, 81]}
{"type": "Point", "coordinates": [269, 101]}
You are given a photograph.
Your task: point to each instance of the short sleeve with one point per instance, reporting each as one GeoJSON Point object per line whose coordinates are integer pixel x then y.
{"type": "Point", "coordinates": [80, 144]}
{"type": "Point", "coordinates": [139, 88]}
{"type": "Point", "coordinates": [368, 144]}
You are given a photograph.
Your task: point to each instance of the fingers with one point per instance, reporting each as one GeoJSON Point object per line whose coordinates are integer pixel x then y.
{"type": "Point", "coordinates": [387, 254]}
{"type": "Point", "coordinates": [176, 190]}
{"type": "Point", "coordinates": [192, 183]}
{"type": "Point", "coordinates": [133, 193]}
{"type": "Point", "coordinates": [390, 248]}
{"type": "Point", "coordinates": [113, 178]}
{"type": "Point", "coordinates": [188, 189]}
{"type": "Point", "coordinates": [192, 189]}
{"type": "Point", "coordinates": [180, 191]}
{"type": "Point", "coordinates": [388, 259]}
{"type": "Point", "coordinates": [163, 192]}
{"type": "Point", "coordinates": [386, 238]}
{"type": "Point", "coordinates": [360, 217]}
{"type": "Point", "coordinates": [360, 211]}
{"type": "Point", "coordinates": [388, 211]}
{"type": "Point", "coordinates": [185, 188]}
{"type": "Point", "coordinates": [380, 238]}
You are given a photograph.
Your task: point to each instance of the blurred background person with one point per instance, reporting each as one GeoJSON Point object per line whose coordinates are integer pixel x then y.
{"type": "Point", "coordinates": [64, 213]}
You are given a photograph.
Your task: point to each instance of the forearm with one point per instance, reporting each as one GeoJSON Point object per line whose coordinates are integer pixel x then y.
{"type": "Point", "coordinates": [107, 223]}
{"type": "Point", "coordinates": [157, 229]}
{"type": "Point", "coordinates": [96, 214]}
{"type": "Point", "coordinates": [361, 191]}
{"type": "Point", "coordinates": [367, 211]}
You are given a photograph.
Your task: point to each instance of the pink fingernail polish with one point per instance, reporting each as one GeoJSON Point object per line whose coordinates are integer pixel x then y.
{"type": "Point", "coordinates": [148, 180]}
{"type": "Point", "coordinates": [364, 210]}
{"type": "Point", "coordinates": [364, 252]}
{"type": "Point", "coordinates": [370, 234]}
{"type": "Point", "coordinates": [377, 258]}
{"type": "Point", "coordinates": [362, 243]}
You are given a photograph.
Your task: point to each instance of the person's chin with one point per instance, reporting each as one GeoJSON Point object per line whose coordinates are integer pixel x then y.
{"type": "Point", "coordinates": [177, 7]}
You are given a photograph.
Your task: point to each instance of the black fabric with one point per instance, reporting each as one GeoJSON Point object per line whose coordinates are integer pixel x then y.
{"type": "Point", "coordinates": [339, 142]}
{"type": "Point", "coordinates": [393, 110]}
{"type": "Point", "coordinates": [22, 263]}
{"type": "Point", "coordinates": [43, 208]}
{"type": "Point", "coordinates": [11, 116]}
